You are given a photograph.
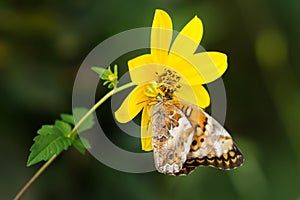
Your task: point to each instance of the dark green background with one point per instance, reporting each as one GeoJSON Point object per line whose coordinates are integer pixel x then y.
{"type": "Point", "coordinates": [42, 44]}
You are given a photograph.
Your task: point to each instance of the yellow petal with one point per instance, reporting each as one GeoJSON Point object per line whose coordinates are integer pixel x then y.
{"type": "Point", "coordinates": [140, 61]}
{"type": "Point", "coordinates": [211, 65]}
{"type": "Point", "coordinates": [195, 94]}
{"type": "Point", "coordinates": [188, 40]}
{"type": "Point", "coordinates": [143, 69]}
{"type": "Point", "coordinates": [189, 74]}
{"type": "Point", "coordinates": [161, 35]}
{"type": "Point", "coordinates": [146, 129]}
{"type": "Point", "coordinates": [132, 105]}
{"type": "Point", "coordinates": [201, 68]}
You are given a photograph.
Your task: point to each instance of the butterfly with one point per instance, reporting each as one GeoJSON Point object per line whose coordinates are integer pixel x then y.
{"type": "Point", "coordinates": [185, 137]}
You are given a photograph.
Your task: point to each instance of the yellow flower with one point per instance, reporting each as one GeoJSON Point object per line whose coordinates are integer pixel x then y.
{"type": "Point", "coordinates": [178, 63]}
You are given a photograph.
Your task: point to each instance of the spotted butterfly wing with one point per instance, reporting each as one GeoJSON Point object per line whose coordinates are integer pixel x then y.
{"type": "Point", "coordinates": [185, 137]}
{"type": "Point", "coordinates": [172, 135]}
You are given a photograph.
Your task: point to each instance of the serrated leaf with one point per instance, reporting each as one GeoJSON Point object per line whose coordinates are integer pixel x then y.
{"type": "Point", "coordinates": [64, 127]}
{"type": "Point", "coordinates": [98, 70]}
{"type": "Point", "coordinates": [81, 144]}
{"type": "Point", "coordinates": [47, 130]}
{"type": "Point", "coordinates": [78, 113]}
{"type": "Point", "coordinates": [68, 118]}
{"type": "Point", "coordinates": [45, 146]}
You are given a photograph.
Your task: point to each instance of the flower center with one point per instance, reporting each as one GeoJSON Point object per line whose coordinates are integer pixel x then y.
{"type": "Point", "coordinates": [112, 77]}
{"type": "Point", "coordinates": [164, 87]}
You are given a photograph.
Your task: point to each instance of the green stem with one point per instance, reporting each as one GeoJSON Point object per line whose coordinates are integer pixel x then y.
{"type": "Point", "coordinates": [102, 100]}
{"type": "Point", "coordinates": [45, 166]}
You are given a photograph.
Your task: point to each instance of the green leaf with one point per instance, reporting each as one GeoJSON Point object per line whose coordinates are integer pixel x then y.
{"type": "Point", "coordinates": [85, 142]}
{"type": "Point", "coordinates": [98, 70]}
{"type": "Point", "coordinates": [105, 82]}
{"type": "Point", "coordinates": [47, 130]}
{"type": "Point", "coordinates": [111, 86]}
{"type": "Point", "coordinates": [81, 144]}
{"type": "Point", "coordinates": [78, 113]}
{"type": "Point", "coordinates": [45, 146]}
{"type": "Point", "coordinates": [64, 127]}
{"type": "Point", "coordinates": [68, 118]}
{"type": "Point", "coordinates": [116, 70]}
{"type": "Point", "coordinates": [105, 74]}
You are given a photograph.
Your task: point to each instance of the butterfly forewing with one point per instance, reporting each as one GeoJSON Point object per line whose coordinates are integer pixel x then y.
{"type": "Point", "coordinates": [185, 137]}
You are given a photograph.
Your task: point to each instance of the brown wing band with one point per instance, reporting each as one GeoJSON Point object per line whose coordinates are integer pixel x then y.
{"type": "Point", "coordinates": [231, 160]}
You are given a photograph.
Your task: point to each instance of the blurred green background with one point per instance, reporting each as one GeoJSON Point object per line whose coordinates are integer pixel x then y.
{"type": "Point", "coordinates": [42, 44]}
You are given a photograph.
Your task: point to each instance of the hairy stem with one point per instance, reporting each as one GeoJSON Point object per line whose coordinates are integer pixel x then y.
{"type": "Point", "coordinates": [45, 166]}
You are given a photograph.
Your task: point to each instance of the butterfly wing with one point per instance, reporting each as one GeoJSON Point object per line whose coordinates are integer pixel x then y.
{"type": "Point", "coordinates": [185, 137]}
{"type": "Point", "coordinates": [172, 134]}
{"type": "Point", "coordinates": [212, 145]}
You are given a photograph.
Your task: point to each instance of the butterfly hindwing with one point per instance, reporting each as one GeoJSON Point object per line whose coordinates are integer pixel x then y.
{"type": "Point", "coordinates": [227, 161]}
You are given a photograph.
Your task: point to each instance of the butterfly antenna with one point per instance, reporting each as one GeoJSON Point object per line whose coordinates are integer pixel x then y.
{"type": "Point", "coordinates": [148, 100]}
